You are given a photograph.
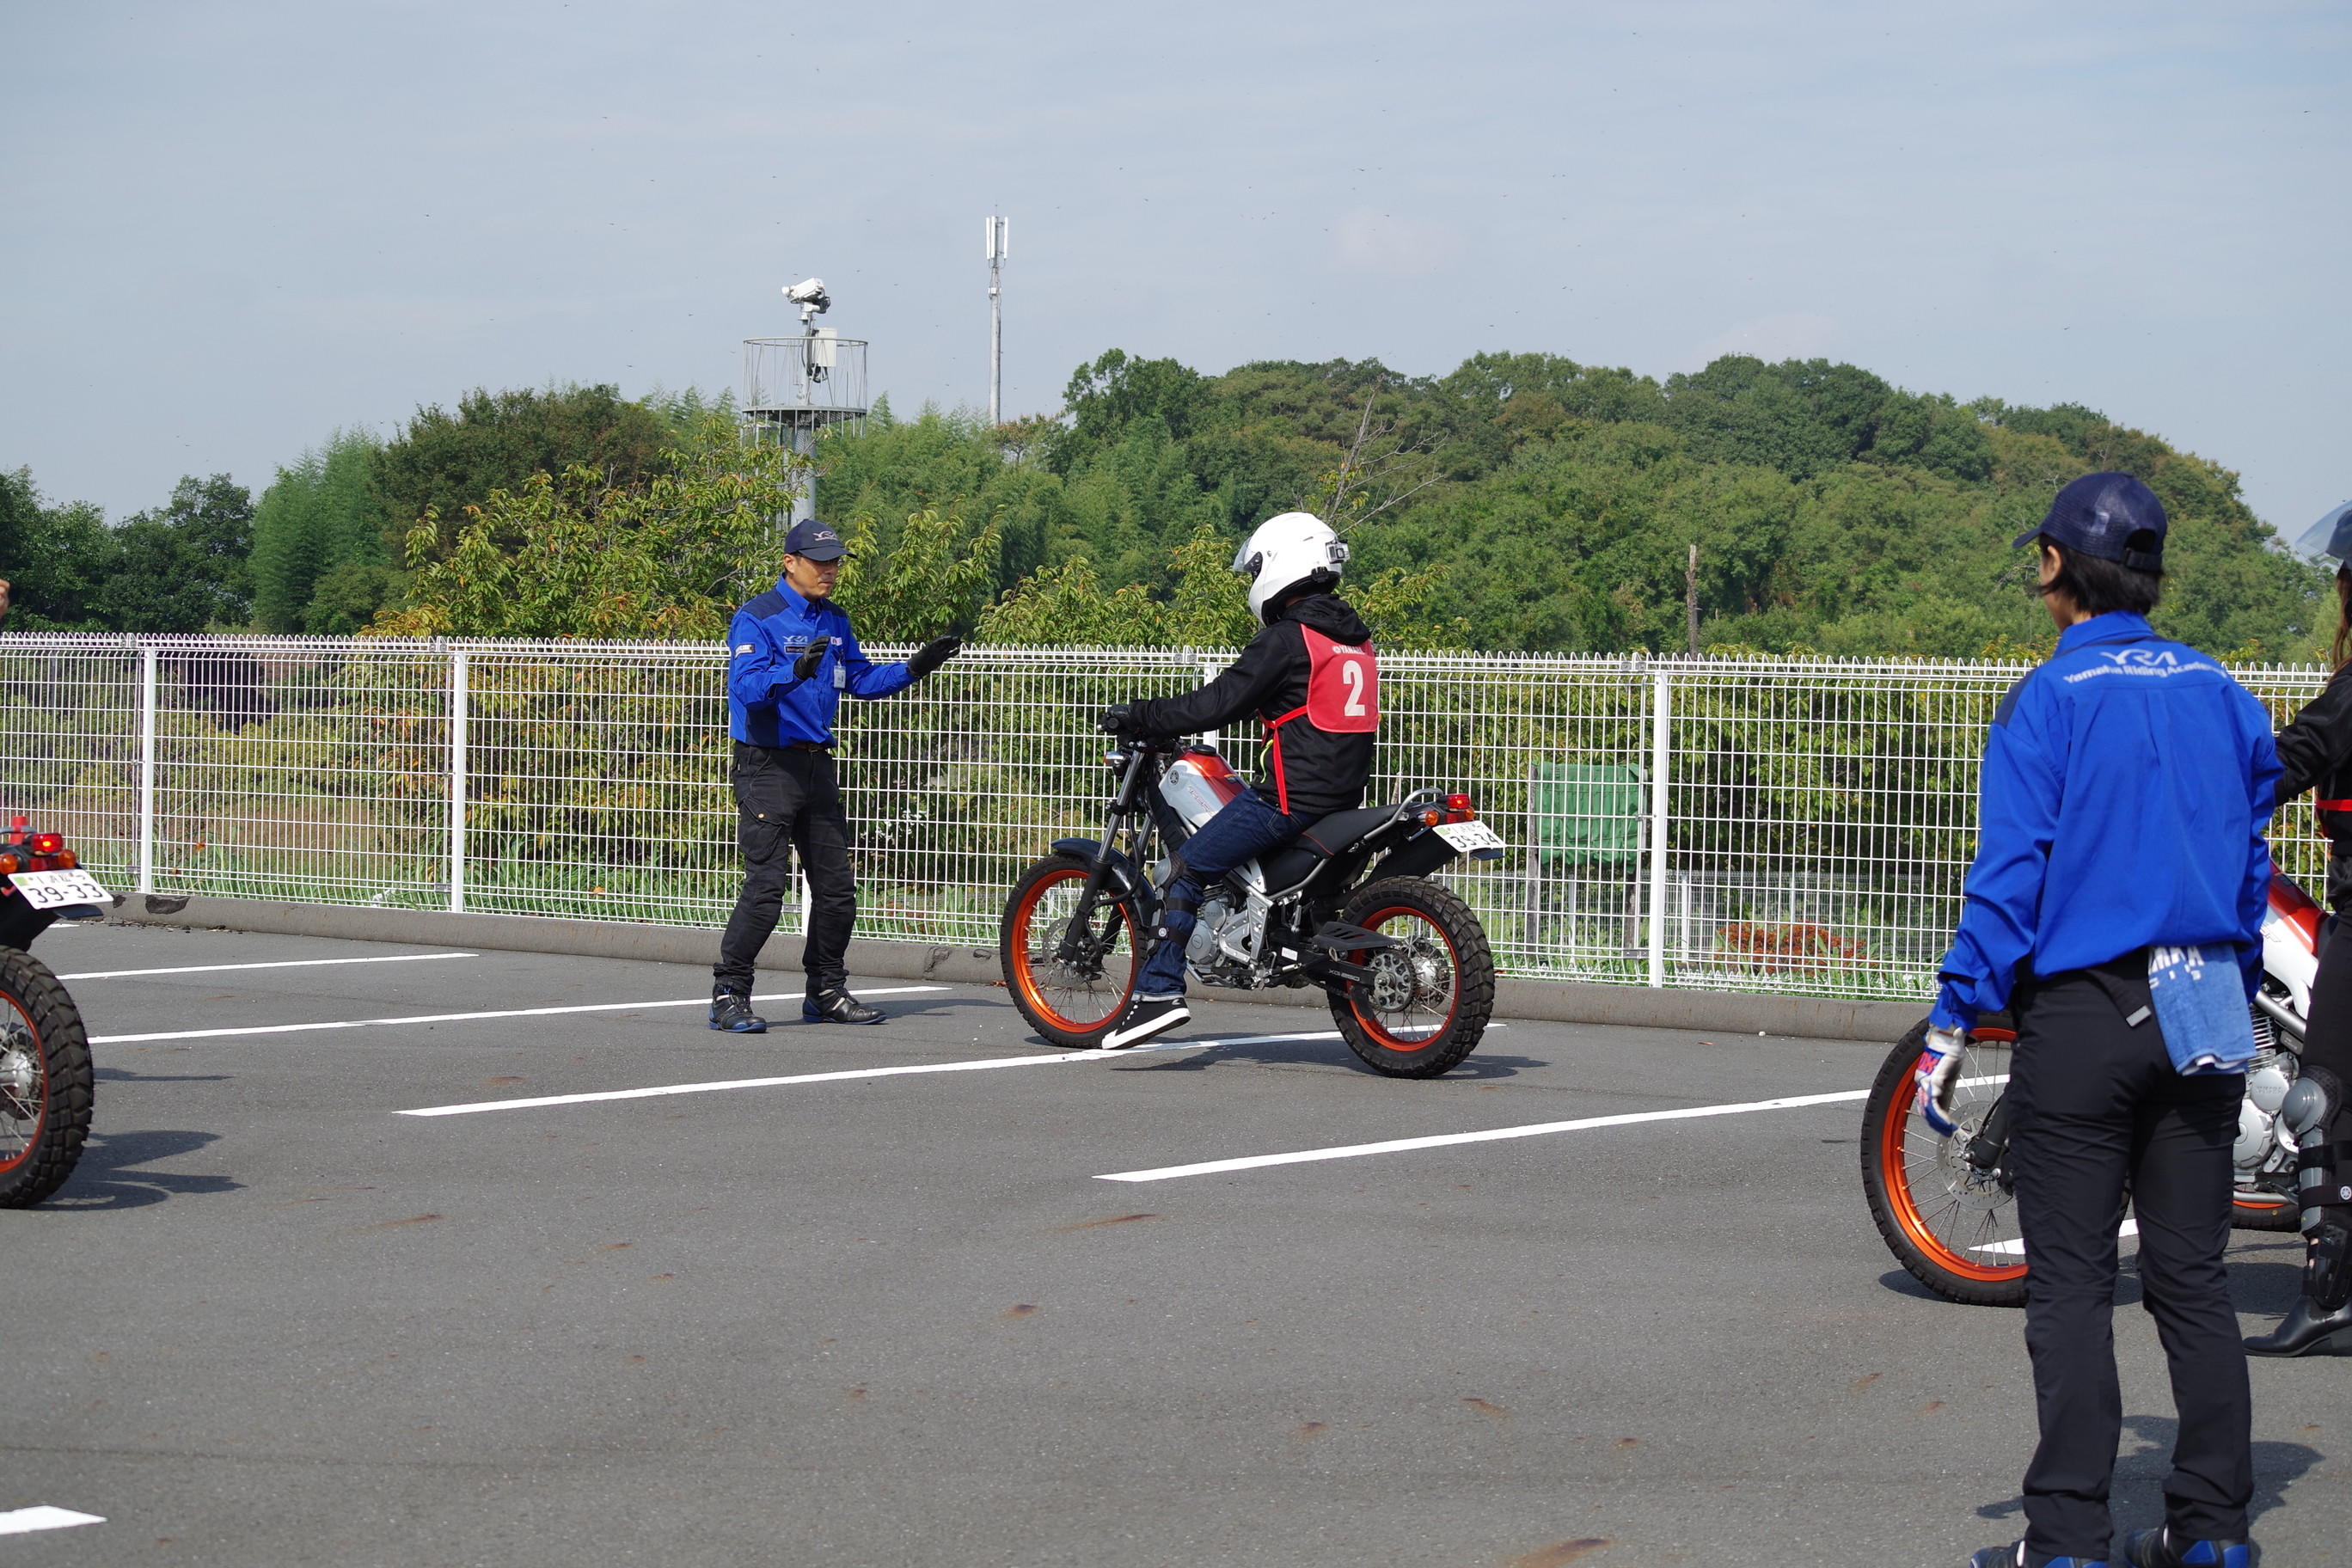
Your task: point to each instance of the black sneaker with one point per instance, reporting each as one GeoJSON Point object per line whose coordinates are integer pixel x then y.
{"type": "Point", "coordinates": [2015, 1555]}
{"type": "Point", "coordinates": [838, 1007]}
{"type": "Point", "coordinates": [1146, 1017]}
{"type": "Point", "coordinates": [731, 1011]}
{"type": "Point", "coordinates": [2162, 1549]}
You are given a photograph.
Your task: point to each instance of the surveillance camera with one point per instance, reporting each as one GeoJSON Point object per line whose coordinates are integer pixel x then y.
{"type": "Point", "coordinates": [808, 291]}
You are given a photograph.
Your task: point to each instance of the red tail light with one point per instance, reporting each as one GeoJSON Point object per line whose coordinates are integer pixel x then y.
{"type": "Point", "coordinates": [1458, 809]}
{"type": "Point", "coordinates": [46, 843]}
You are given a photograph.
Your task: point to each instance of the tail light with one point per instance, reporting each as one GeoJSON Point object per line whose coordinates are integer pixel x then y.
{"type": "Point", "coordinates": [46, 843]}
{"type": "Point", "coordinates": [1458, 809]}
{"type": "Point", "coordinates": [1430, 816]}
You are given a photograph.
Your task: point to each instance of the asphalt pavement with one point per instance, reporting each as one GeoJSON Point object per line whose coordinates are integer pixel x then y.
{"type": "Point", "coordinates": [900, 1318]}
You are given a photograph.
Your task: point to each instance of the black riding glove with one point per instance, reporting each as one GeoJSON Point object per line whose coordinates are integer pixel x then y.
{"type": "Point", "coordinates": [811, 656]}
{"type": "Point", "coordinates": [932, 655]}
{"type": "Point", "coordinates": [1119, 721]}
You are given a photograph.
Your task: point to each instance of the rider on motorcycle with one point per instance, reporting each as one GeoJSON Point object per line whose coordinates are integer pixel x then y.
{"type": "Point", "coordinates": [2317, 751]}
{"type": "Point", "coordinates": [1312, 680]}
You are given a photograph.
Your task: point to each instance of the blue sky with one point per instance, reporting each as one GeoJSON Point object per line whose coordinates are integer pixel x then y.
{"type": "Point", "coordinates": [233, 228]}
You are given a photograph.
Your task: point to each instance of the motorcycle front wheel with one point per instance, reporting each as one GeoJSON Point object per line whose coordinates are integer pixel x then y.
{"type": "Point", "coordinates": [45, 1081]}
{"type": "Point", "coordinates": [1069, 1004]}
{"type": "Point", "coordinates": [1953, 1226]}
{"type": "Point", "coordinates": [1427, 1003]}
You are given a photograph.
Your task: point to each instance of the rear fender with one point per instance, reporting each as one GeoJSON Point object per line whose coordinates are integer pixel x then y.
{"type": "Point", "coordinates": [1417, 856]}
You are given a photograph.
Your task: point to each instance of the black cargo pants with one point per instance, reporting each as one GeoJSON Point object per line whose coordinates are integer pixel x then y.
{"type": "Point", "coordinates": [788, 798]}
{"type": "Point", "coordinates": [2095, 1105]}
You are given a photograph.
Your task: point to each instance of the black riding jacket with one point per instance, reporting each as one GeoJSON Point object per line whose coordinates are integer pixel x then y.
{"type": "Point", "coordinates": [2317, 751]}
{"type": "Point", "coordinates": [1324, 771]}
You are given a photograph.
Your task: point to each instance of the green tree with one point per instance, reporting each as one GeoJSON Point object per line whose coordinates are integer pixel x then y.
{"type": "Point", "coordinates": [182, 567]}
{"type": "Point", "coordinates": [318, 515]}
{"type": "Point", "coordinates": [444, 462]}
{"type": "Point", "coordinates": [55, 558]}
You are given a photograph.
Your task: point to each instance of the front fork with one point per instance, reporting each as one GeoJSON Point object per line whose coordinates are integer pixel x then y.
{"type": "Point", "coordinates": [1080, 946]}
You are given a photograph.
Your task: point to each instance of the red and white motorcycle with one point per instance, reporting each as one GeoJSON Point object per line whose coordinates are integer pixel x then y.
{"type": "Point", "coordinates": [1348, 906]}
{"type": "Point", "coordinates": [1944, 1206]}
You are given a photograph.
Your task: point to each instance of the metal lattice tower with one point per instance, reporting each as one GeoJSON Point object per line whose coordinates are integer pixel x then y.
{"type": "Point", "coordinates": [795, 387]}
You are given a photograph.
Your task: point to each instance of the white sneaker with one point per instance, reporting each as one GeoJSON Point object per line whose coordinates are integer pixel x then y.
{"type": "Point", "coordinates": [1146, 1017]}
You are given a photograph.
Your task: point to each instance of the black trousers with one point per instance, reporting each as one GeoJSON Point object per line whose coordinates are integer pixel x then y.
{"type": "Point", "coordinates": [2094, 1105]}
{"type": "Point", "coordinates": [2328, 1042]}
{"type": "Point", "coordinates": [786, 799]}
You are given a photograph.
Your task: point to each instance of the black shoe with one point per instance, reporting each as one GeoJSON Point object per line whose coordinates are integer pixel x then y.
{"type": "Point", "coordinates": [2307, 1330]}
{"type": "Point", "coordinates": [2015, 1555]}
{"type": "Point", "coordinates": [2162, 1549]}
{"type": "Point", "coordinates": [730, 1011]}
{"type": "Point", "coordinates": [838, 1007]}
{"type": "Point", "coordinates": [1146, 1017]}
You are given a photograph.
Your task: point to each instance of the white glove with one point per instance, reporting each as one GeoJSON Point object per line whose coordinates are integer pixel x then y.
{"type": "Point", "coordinates": [1937, 1075]}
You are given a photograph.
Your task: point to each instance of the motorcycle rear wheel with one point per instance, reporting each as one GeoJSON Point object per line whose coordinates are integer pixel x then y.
{"type": "Point", "coordinates": [1955, 1231]}
{"type": "Point", "coordinates": [1432, 996]}
{"type": "Point", "coordinates": [45, 1081]}
{"type": "Point", "coordinates": [1068, 1006]}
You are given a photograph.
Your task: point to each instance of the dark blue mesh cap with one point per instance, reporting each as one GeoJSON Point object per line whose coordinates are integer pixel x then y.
{"type": "Point", "coordinates": [816, 540]}
{"type": "Point", "coordinates": [2099, 514]}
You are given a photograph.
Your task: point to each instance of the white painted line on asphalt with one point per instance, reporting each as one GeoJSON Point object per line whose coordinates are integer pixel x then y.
{"type": "Point", "coordinates": [1491, 1135]}
{"type": "Point", "coordinates": [460, 1018]}
{"type": "Point", "coordinates": [25, 1520]}
{"type": "Point", "coordinates": [2015, 1245]}
{"type": "Point", "coordinates": [843, 1077]}
{"type": "Point", "coordinates": [281, 963]}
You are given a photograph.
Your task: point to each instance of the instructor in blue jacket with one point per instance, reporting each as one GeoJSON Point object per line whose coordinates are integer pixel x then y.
{"type": "Point", "coordinates": [2115, 906]}
{"type": "Point", "coordinates": [790, 655]}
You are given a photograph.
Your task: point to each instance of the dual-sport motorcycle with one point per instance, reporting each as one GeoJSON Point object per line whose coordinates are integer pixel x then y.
{"type": "Point", "coordinates": [44, 1073]}
{"type": "Point", "coordinates": [1946, 1206]}
{"type": "Point", "coordinates": [1348, 906]}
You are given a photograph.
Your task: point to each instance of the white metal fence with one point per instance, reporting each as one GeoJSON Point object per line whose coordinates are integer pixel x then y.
{"type": "Point", "coordinates": [1767, 824]}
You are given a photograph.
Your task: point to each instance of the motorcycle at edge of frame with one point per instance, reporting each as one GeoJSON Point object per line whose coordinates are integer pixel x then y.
{"type": "Point", "coordinates": [1946, 1206]}
{"type": "Point", "coordinates": [1349, 905]}
{"type": "Point", "coordinates": [45, 1070]}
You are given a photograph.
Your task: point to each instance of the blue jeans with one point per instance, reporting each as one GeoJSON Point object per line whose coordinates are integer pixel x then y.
{"type": "Point", "coordinates": [1246, 829]}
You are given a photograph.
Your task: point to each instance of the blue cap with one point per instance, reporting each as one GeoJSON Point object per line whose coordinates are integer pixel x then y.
{"type": "Point", "coordinates": [814, 539]}
{"type": "Point", "coordinates": [2101, 515]}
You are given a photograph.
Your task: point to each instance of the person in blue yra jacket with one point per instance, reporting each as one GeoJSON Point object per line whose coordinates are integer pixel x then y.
{"type": "Point", "coordinates": [2115, 906]}
{"type": "Point", "coordinates": [790, 655]}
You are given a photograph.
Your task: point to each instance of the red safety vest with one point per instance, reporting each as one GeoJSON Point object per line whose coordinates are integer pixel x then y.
{"type": "Point", "coordinates": [1343, 698]}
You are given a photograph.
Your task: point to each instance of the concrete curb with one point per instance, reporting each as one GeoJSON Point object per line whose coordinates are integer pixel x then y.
{"type": "Point", "coordinates": [1565, 1002]}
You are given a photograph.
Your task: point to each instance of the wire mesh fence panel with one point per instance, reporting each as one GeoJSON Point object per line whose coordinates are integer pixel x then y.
{"type": "Point", "coordinates": [304, 769]}
{"type": "Point", "coordinates": [1818, 816]}
{"type": "Point", "coordinates": [69, 745]}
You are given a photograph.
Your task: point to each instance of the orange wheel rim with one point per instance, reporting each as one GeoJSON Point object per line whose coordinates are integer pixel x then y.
{"type": "Point", "coordinates": [1379, 1032]}
{"type": "Point", "coordinates": [1024, 971]}
{"type": "Point", "coordinates": [1895, 1178]}
{"type": "Point", "coordinates": [38, 1074]}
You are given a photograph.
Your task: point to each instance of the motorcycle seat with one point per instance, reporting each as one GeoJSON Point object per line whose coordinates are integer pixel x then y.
{"type": "Point", "coordinates": [1342, 830]}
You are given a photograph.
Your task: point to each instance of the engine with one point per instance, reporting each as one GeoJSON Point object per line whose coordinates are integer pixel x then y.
{"type": "Point", "coordinates": [1225, 941]}
{"type": "Point", "coordinates": [2263, 1148]}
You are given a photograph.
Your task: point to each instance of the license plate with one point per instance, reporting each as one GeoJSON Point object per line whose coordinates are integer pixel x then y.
{"type": "Point", "coordinates": [59, 890]}
{"type": "Point", "coordinates": [1467, 836]}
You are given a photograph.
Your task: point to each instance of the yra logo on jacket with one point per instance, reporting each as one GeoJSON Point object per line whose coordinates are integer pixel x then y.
{"type": "Point", "coordinates": [2140, 656]}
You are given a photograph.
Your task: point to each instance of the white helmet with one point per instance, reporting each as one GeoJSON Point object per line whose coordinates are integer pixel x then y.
{"type": "Point", "coordinates": [1284, 552]}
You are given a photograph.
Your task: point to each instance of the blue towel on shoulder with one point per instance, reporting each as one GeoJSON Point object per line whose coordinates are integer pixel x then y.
{"type": "Point", "coordinates": [2201, 1005]}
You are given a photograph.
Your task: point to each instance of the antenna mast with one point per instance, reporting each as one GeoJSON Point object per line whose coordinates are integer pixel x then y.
{"type": "Point", "coordinates": [1000, 232]}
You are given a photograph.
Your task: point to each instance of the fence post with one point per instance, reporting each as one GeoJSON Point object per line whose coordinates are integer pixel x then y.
{"type": "Point", "coordinates": [147, 769]}
{"type": "Point", "coordinates": [1662, 713]}
{"type": "Point", "coordinates": [458, 671]}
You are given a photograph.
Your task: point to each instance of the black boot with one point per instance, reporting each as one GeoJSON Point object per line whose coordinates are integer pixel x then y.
{"type": "Point", "coordinates": [2308, 1330]}
{"type": "Point", "coordinates": [1146, 1017]}
{"type": "Point", "coordinates": [2321, 1322]}
{"type": "Point", "coordinates": [731, 1011]}
{"type": "Point", "coordinates": [836, 1005]}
